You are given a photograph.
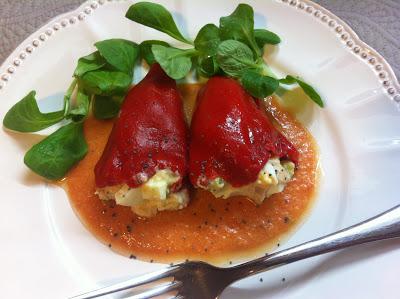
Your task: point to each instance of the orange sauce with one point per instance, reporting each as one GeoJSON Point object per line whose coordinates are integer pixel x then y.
{"type": "Point", "coordinates": [209, 229]}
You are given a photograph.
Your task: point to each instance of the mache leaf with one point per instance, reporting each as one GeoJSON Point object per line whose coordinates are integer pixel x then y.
{"type": "Point", "coordinates": [54, 156]}
{"type": "Point", "coordinates": [175, 62]}
{"type": "Point", "coordinates": [234, 57]}
{"type": "Point", "coordinates": [264, 37]}
{"type": "Point", "coordinates": [82, 105]}
{"type": "Point", "coordinates": [307, 88]}
{"type": "Point", "coordinates": [240, 26]}
{"type": "Point", "coordinates": [207, 66]}
{"type": "Point", "coordinates": [207, 40]}
{"type": "Point", "coordinates": [146, 52]}
{"type": "Point", "coordinates": [103, 82]}
{"type": "Point", "coordinates": [91, 62]}
{"type": "Point", "coordinates": [107, 107]}
{"type": "Point", "coordinates": [257, 85]}
{"type": "Point", "coordinates": [25, 116]}
{"type": "Point", "coordinates": [155, 16]}
{"type": "Point", "coordinates": [119, 53]}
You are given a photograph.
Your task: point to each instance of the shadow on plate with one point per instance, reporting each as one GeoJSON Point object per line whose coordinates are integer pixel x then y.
{"type": "Point", "coordinates": [340, 259]}
{"type": "Point", "coordinates": [29, 178]}
{"type": "Point", "coordinates": [25, 142]}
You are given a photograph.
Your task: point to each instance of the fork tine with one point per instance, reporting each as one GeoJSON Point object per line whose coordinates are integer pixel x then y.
{"type": "Point", "coordinates": [128, 284]}
{"type": "Point", "coordinates": [158, 290]}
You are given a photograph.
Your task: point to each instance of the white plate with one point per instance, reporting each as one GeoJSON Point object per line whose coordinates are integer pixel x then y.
{"type": "Point", "coordinates": [47, 253]}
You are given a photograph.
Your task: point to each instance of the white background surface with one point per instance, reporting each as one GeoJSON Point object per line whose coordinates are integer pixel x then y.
{"type": "Point", "coordinates": [47, 253]}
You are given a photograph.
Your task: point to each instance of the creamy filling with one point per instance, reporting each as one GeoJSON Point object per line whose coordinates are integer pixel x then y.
{"type": "Point", "coordinates": [272, 179]}
{"type": "Point", "coordinates": [152, 196]}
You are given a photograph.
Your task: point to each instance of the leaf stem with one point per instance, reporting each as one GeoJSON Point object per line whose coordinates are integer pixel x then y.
{"type": "Point", "coordinates": [181, 39]}
{"type": "Point", "coordinates": [67, 96]}
{"type": "Point", "coordinates": [255, 48]}
{"type": "Point", "coordinates": [189, 42]}
{"type": "Point", "coordinates": [192, 52]}
{"type": "Point", "coordinates": [266, 71]}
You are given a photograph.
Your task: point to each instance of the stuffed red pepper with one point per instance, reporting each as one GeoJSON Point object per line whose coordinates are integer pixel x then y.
{"type": "Point", "coordinates": [145, 160]}
{"type": "Point", "coordinates": [235, 149]}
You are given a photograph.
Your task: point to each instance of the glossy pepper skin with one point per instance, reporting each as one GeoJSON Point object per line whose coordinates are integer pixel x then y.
{"type": "Point", "coordinates": [231, 137]}
{"type": "Point", "coordinates": [150, 134]}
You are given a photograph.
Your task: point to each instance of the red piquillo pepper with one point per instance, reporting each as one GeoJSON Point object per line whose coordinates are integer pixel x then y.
{"type": "Point", "coordinates": [231, 137]}
{"type": "Point", "coordinates": [149, 135]}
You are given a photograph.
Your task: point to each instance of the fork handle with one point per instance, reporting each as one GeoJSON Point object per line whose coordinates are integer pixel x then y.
{"type": "Point", "coordinates": [381, 227]}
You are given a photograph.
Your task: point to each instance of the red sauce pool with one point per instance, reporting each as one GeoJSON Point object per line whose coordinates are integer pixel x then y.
{"type": "Point", "coordinates": [209, 229]}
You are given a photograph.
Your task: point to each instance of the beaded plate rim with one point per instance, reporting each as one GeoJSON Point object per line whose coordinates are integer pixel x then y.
{"type": "Point", "coordinates": [345, 34]}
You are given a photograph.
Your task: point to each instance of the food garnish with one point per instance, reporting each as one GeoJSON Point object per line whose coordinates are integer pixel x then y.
{"type": "Point", "coordinates": [102, 78]}
{"type": "Point", "coordinates": [235, 49]}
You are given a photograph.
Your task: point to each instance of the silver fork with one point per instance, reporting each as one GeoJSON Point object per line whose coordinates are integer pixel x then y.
{"type": "Point", "coordinates": [198, 280]}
